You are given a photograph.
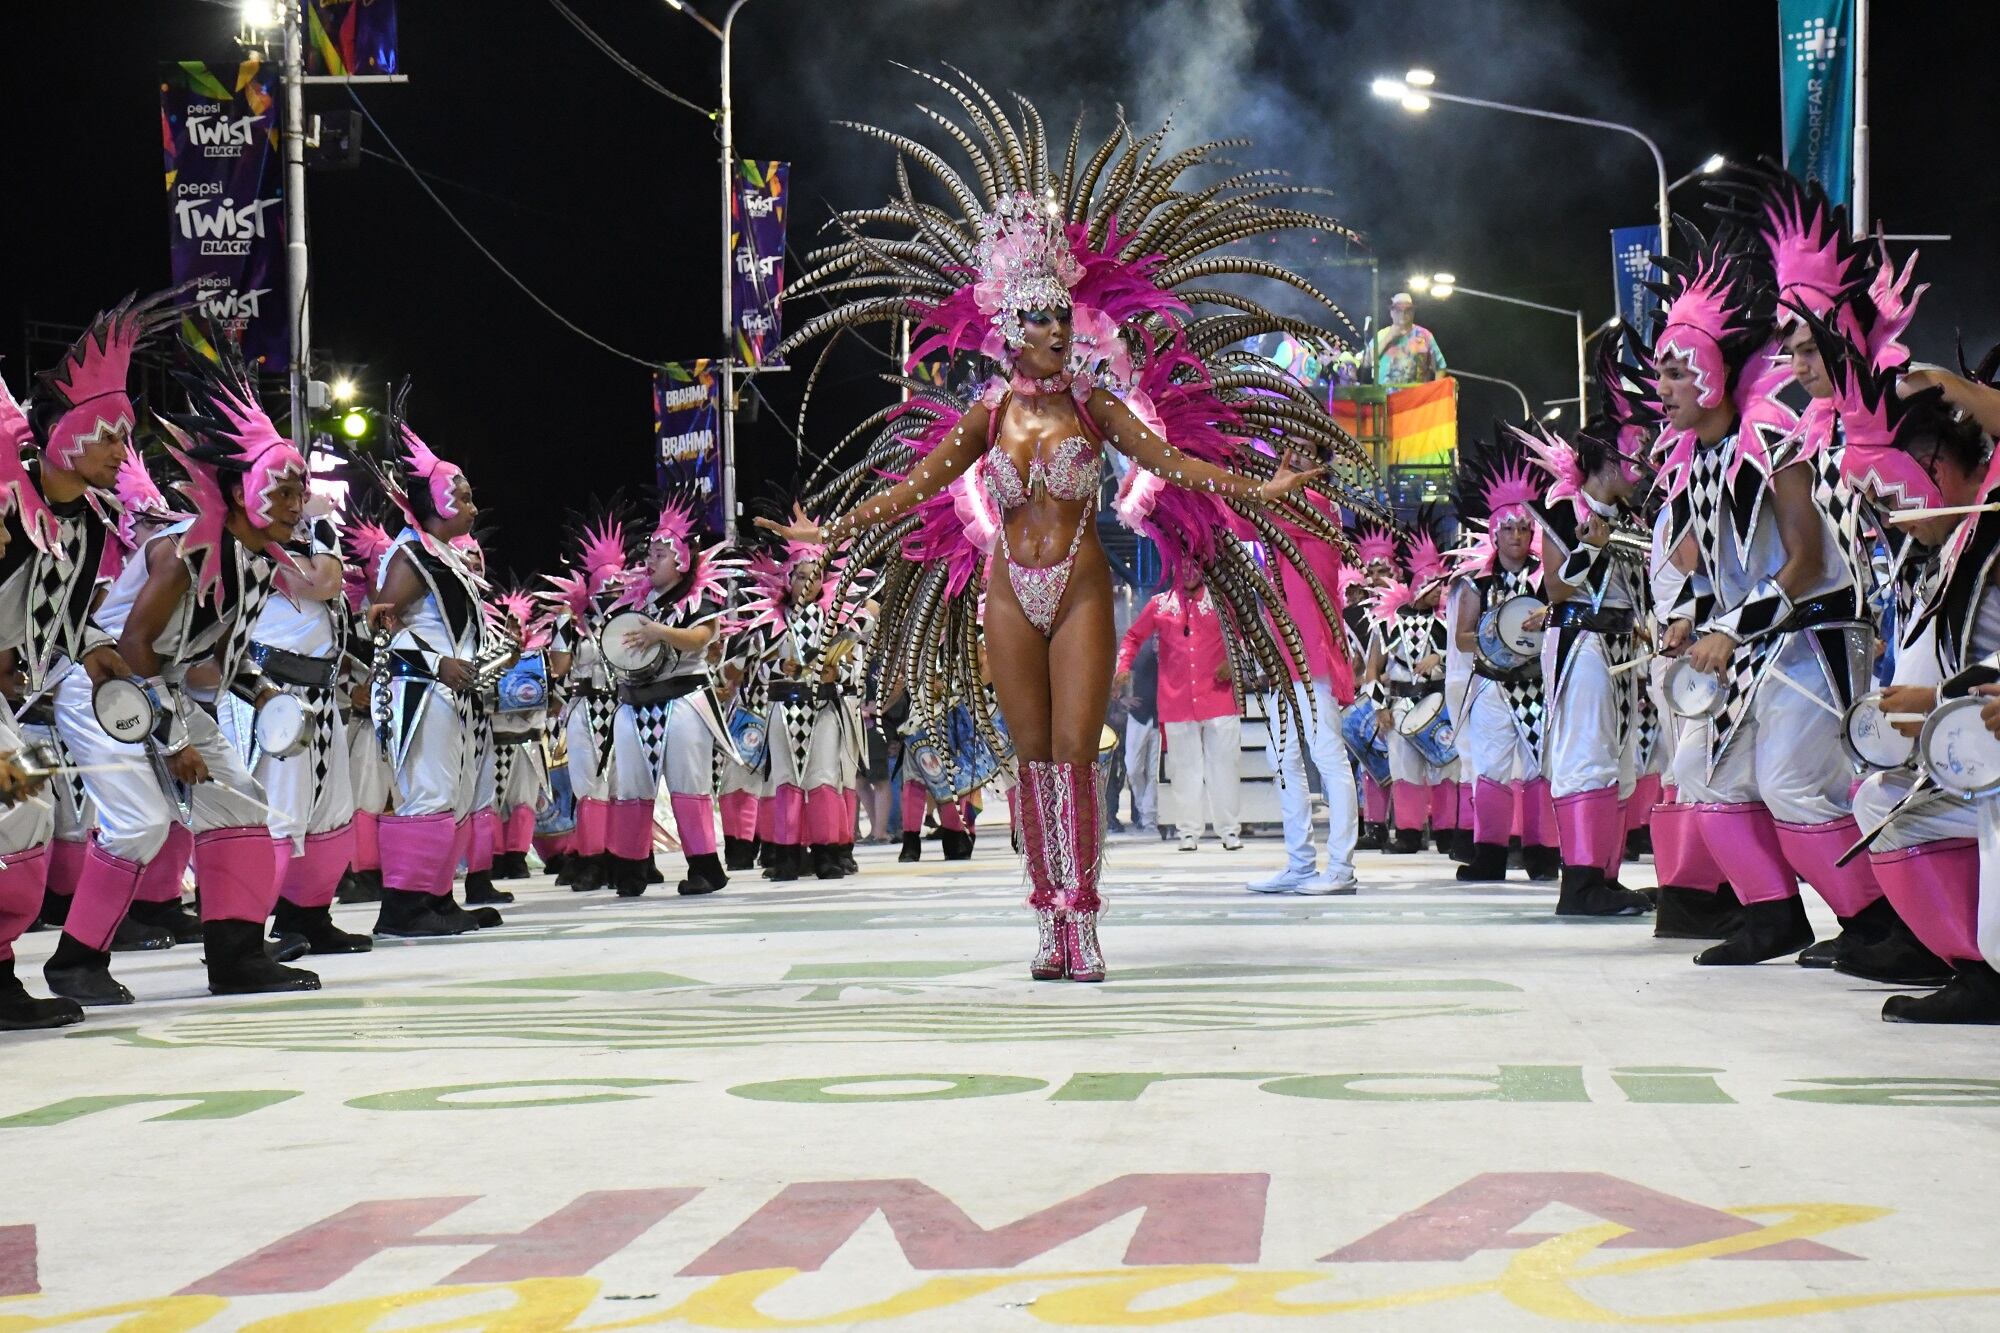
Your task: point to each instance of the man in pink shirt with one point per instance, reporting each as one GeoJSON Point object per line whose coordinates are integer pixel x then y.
{"type": "Point", "coordinates": [1197, 707]}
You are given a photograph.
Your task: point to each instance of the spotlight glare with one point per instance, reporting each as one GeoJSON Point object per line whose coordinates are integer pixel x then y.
{"type": "Point", "coordinates": [1444, 279]}
{"type": "Point", "coordinates": [1393, 89]}
{"type": "Point", "coordinates": [354, 425]}
{"type": "Point", "coordinates": [1416, 102]}
{"type": "Point", "coordinates": [261, 14]}
{"type": "Point", "coordinates": [343, 390]}
{"type": "Point", "coordinates": [1715, 163]}
{"type": "Point", "coordinates": [1420, 78]}
{"type": "Point", "coordinates": [1418, 284]}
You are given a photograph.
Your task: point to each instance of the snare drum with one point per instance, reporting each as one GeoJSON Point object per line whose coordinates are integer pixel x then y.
{"type": "Point", "coordinates": [1359, 730]}
{"type": "Point", "coordinates": [1427, 727]}
{"type": "Point", "coordinates": [283, 726]}
{"type": "Point", "coordinates": [125, 709]}
{"type": "Point", "coordinates": [930, 766]}
{"type": "Point", "coordinates": [524, 687]}
{"type": "Point", "coordinates": [1957, 750]}
{"type": "Point", "coordinates": [752, 740]}
{"type": "Point", "coordinates": [1870, 739]}
{"type": "Point", "coordinates": [618, 655]}
{"type": "Point", "coordinates": [1505, 641]}
{"type": "Point", "coordinates": [1691, 693]}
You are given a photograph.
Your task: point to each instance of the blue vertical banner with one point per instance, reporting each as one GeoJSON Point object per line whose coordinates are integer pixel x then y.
{"type": "Point", "coordinates": [1632, 268]}
{"type": "Point", "coordinates": [1816, 82]}
{"type": "Point", "coordinates": [687, 436]}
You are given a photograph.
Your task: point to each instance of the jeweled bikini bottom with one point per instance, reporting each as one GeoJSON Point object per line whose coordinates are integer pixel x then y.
{"type": "Point", "coordinates": [1040, 588]}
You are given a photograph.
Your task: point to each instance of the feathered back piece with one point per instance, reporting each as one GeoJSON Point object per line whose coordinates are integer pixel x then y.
{"type": "Point", "coordinates": [17, 490]}
{"type": "Point", "coordinates": [225, 435]}
{"type": "Point", "coordinates": [90, 387]}
{"type": "Point", "coordinates": [1148, 260]}
{"type": "Point", "coordinates": [1390, 599]}
{"type": "Point", "coordinates": [140, 500]}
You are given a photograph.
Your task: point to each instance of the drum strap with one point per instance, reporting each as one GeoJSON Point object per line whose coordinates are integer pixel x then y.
{"type": "Point", "coordinates": [289, 668]}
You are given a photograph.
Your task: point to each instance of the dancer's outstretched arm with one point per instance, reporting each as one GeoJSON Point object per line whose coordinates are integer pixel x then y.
{"type": "Point", "coordinates": [940, 468]}
{"type": "Point", "coordinates": [1126, 433]}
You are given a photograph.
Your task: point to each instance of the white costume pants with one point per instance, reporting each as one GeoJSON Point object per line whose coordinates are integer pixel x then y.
{"type": "Point", "coordinates": [665, 740]}
{"type": "Point", "coordinates": [1142, 770]}
{"type": "Point", "coordinates": [1580, 744]}
{"type": "Point", "coordinates": [440, 769]}
{"type": "Point", "coordinates": [311, 791]}
{"type": "Point", "coordinates": [1201, 763]}
{"type": "Point", "coordinates": [1490, 739]}
{"type": "Point", "coordinates": [1786, 752]}
{"type": "Point", "coordinates": [1321, 714]}
{"type": "Point", "coordinates": [368, 771]}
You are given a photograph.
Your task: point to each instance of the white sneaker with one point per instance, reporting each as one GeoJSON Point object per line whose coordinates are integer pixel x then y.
{"type": "Point", "coordinates": [1231, 843]}
{"type": "Point", "coordinates": [1190, 842]}
{"type": "Point", "coordinates": [1321, 885]}
{"type": "Point", "coordinates": [1287, 880]}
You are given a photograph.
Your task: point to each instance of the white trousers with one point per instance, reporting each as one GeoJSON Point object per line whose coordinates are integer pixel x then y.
{"type": "Point", "coordinates": [588, 779]}
{"type": "Point", "coordinates": [133, 811]}
{"type": "Point", "coordinates": [368, 771]}
{"type": "Point", "coordinates": [524, 781]}
{"type": "Point", "coordinates": [1406, 761]}
{"type": "Point", "coordinates": [1142, 770]}
{"type": "Point", "coordinates": [1201, 762]}
{"type": "Point", "coordinates": [440, 769]}
{"type": "Point", "coordinates": [667, 740]}
{"type": "Point", "coordinates": [311, 791]}
{"type": "Point", "coordinates": [1989, 879]}
{"type": "Point", "coordinates": [68, 801]}
{"type": "Point", "coordinates": [832, 758]}
{"type": "Point", "coordinates": [1490, 739]}
{"type": "Point", "coordinates": [1930, 821]}
{"type": "Point", "coordinates": [28, 823]}
{"type": "Point", "coordinates": [1580, 750]}
{"type": "Point", "coordinates": [1786, 752]}
{"type": "Point", "coordinates": [1321, 714]}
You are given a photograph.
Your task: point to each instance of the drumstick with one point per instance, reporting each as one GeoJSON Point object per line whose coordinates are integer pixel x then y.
{"type": "Point", "coordinates": [1785, 679]}
{"type": "Point", "coordinates": [1638, 661]}
{"type": "Point", "coordinates": [1943, 511]}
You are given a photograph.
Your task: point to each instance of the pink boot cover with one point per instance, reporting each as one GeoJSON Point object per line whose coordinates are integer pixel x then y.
{"type": "Point", "coordinates": [1492, 812]}
{"type": "Point", "coordinates": [1374, 801]}
{"type": "Point", "coordinates": [1934, 887]}
{"type": "Point", "coordinates": [163, 876]}
{"type": "Point", "coordinates": [1411, 802]}
{"type": "Point", "coordinates": [1038, 799]}
{"type": "Point", "coordinates": [593, 821]}
{"type": "Point", "coordinates": [630, 834]}
{"type": "Point", "coordinates": [104, 892]}
{"type": "Point", "coordinates": [1464, 805]}
{"type": "Point", "coordinates": [850, 813]}
{"type": "Point", "coordinates": [519, 835]}
{"type": "Point", "coordinates": [951, 815]}
{"type": "Point", "coordinates": [786, 808]}
{"type": "Point", "coordinates": [1639, 805]}
{"type": "Point", "coordinates": [66, 864]}
{"type": "Point", "coordinates": [694, 820]}
{"type": "Point", "coordinates": [1812, 849]}
{"type": "Point", "coordinates": [1744, 844]}
{"type": "Point", "coordinates": [1589, 828]}
{"type": "Point", "coordinates": [1680, 857]}
{"type": "Point", "coordinates": [21, 885]}
{"type": "Point", "coordinates": [1444, 806]}
{"type": "Point", "coordinates": [309, 878]}
{"type": "Point", "coordinates": [913, 807]}
{"type": "Point", "coordinates": [485, 828]}
{"type": "Point", "coordinates": [367, 854]}
{"type": "Point", "coordinates": [417, 852]}
{"type": "Point", "coordinates": [739, 815]}
{"type": "Point", "coordinates": [237, 869]}
{"type": "Point", "coordinates": [1538, 814]}
{"type": "Point", "coordinates": [824, 809]}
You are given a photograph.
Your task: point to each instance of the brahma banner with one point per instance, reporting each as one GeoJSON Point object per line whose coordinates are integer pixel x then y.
{"type": "Point", "coordinates": [225, 200]}
{"type": "Point", "coordinates": [687, 431]}
{"type": "Point", "coordinates": [757, 211]}
{"type": "Point", "coordinates": [350, 36]}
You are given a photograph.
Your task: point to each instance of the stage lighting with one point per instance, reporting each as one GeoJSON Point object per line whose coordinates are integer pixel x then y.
{"type": "Point", "coordinates": [1420, 78]}
{"type": "Point", "coordinates": [1715, 163]}
{"type": "Point", "coordinates": [261, 14]}
{"type": "Point", "coordinates": [354, 425]}
{"type": "Point", "coordinates": [1418, 285]}
{"type": "Point", "coordinates": [1552, 414]}
{"type": "Point", "coordinates": [343, 390]}
{"type": "Point", "coordinates": [1416, 102]}
{"type": "Point", "coordinates": [1393, 89]}
{"type": "Point", "coordinates": [1444, 280]}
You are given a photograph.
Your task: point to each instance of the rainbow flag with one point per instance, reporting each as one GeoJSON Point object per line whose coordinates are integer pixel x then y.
{"type": "Point", "coordinates": [1423, 423]}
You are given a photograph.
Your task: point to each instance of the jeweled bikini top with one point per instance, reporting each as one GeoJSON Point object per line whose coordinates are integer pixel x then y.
{"type": "Point", "coordinates": [1070, 472]}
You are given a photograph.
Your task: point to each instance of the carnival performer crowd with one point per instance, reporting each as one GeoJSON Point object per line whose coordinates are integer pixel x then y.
{"type": "Point", "coordinates": [1740, 621]}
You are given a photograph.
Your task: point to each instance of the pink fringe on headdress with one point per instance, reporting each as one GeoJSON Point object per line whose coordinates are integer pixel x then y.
{"type": "Point", "coordinates": [436, 474]}
{"type": "Point", "coordinates": [1375, 543]}
{"type": "Point", "coordinates": [603, 555]}
{"type": "Point", "coordinates": [91, 380]}
{"type": "Point", "coordinates": [1390, 599]}
{"type": "Point", "coordinates": [18, 492]}
{"type": "Point", "coordinates": [365, 543]}
{"type": "Point", "coordinates": [1426, 561]}
{"type": "Point", "coordinates": [1557, 457]}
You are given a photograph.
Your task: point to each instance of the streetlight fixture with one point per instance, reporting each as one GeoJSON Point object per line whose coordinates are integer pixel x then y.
{"type": "Point", "coordinates": [1714, 163]}
{"type": "Point", "coordinates": [726, 117]}
{"type": "Point", "coordinates": [1444, 284]}
{"type": "Point", "coordinates": [1405, 91]}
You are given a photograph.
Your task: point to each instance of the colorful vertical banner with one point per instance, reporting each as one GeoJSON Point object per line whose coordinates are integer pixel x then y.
{"type": "Point", "coordinates": [225, 200]}
{"type": "Point", "coordinates": [350, 36]}
{"type": "Point", "coordinates": [1632, 268]}
{"type": "Point", "coordinates": [1816, 83]}
{"type": "Point", "coordinates": [687, 434]}
{"type": "Point", "coordinates": [1423, 423]}
{"type": "Point", "coordinates": [757, 209]}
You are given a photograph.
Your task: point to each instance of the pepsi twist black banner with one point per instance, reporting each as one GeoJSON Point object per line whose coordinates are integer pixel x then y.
{"type": "Point", "coordinates": [225, 201]}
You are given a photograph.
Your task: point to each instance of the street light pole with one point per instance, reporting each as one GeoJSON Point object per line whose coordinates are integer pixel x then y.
{"type": "Point", "coordinates": [1415, 97]}
{"type": "Point", "coordinates": [1458, 373]}
{"type": "Point", "coordinates": [1582, 358]}
{"type": "Point", "coordinates": [297, 284]}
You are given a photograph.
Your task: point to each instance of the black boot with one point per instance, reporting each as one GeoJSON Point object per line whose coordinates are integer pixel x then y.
{"type": "Point", "coordinates": [628, 875]}
{"type": "Point", "coordinates": [22, 1012]}
{"type": "Point", "coordinates": [826, 862]}
{"type": "Point", "coordinates": [1488, 864]}
{"type": "Point", "coordinates": [1585, 892]}
{"type": "Point", "coordinates": [78, 972]}
{"type": "Point", "coordinates": [1371, 837]}
{"type": "Point", "coordinates": [913, 848]}
{"type": "Point", "coordinates": [1403, 841]}
{"type": "Point", "coordinates": [704, 876]}
{"type": "Point", "coordinates": [787, 862]}
{"type": "Point", "coordinates": [55, 909]}
{"type": "Point", "coordinates": [238, 965]}
{"type": "Point", "coordinates": [1441, 840]}
{"type": "Point", "coordinates": [590, 873]}
{"type": "Point", "coordinates": [1690, 914]}
{"type": "Point", "coordinates": [847, 861]}
{"type": "Point", "coordinates": [136, 936]}
{"type": "Point", "coordinates": [286, 948]}
{"type": "Point", "coordinates": [739, 853]}
{"type": "Point", "coordinates": [518, 867]}
{"type": "Point", "coordinates": [407, 914]}
{"type": "Point", "coordinates": [1896, 957]}
{"type": "Point", "coordinates": [314, 926]}
{"type": "Point", "coordinates": [173, 917]}
{"type": "Point", "coordinates": [767, 854]}
{"type": "Point", "coordinates": [957, 846]}
{"type": "Point", "coordinates": [1638, 843]}
{"type": "Point", "coordinates": [653, 875]}
{"type": "Point", "coordinates": [1770, 930]}
{"type": "Point", "coordinates": [563, 865]}
{"type": "Point", "coordinates": [1542, 863]}
{"type": "Point", "coordinates": [447, 906]}
{"type": "Point", "coordinates": [1461, 846]}
{"type": "Point", "coordinates": [1971, 996]}
{"type": "Point", "coordinates": [479, 888]}
{"type": "Point", "coordinates": [360, 886]}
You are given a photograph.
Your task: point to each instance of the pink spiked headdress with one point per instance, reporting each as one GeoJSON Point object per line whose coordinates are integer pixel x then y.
{"type": "Point", "coordinates": [365, 543]}
{"type": "Point", "coordinates": [226, 435]}
{"type": "Point", "coordinates": [1375, 543]}
{"type": "Point", "coordinates": [675, 528]}
{"type": "Point", "coordinates": [17, 490]}
{"type": "Point", "coordinates": [139, 500]}
{"type": "Point", "coordinates": [1717, 313]}
{"type": "Point", "coordinates": [1813, 259]}
{"type": "Point", "coordinates": [1390, 599]}
{"type": "Point", "coordinates": [91, 385]}
{"type": "Point", "coordinates": [603, 553]}
{"type": "Point", "coordinates": [429, 471]}
{"type": "Point", "coordinates": [1427, 562]}
{"type": "Point", "coordinates": [1878, 425]}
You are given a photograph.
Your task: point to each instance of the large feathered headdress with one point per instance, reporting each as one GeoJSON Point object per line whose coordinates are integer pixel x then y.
{"type": "Point", "coordinates": [89, 390]}
{"type": "Point", "coordinates": [225, 436]}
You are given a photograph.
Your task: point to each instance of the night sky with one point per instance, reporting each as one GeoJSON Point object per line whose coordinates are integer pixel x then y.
{"type": "Point", "coordinates": [603, 196]}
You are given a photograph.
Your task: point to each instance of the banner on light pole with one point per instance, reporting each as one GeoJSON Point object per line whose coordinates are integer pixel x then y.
{"type": "Point", "coordinates": [350, 36]}
{"type": "Point", "coordinates": [1816, 82]}
{"type": "Point", "coordinates": [687, 437]}
{"type": "Point", "coordinates": [225, 200]}
{"type": "Point", "coordinates": [1632, 268]}
{"type": "Point", "coordinates": [757, 209]}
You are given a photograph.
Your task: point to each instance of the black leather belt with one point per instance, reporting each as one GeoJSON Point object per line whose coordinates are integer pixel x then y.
{"type": "Point", "coordinates": [294, 668]}
{"type": "Point", "coordinates": [1529, 670]}
{"type": "Point", "coordinates": [640, 694]}
{"type": "Point", "coordinates": [1603, 620]}
{"type": "Point", "coordinates": [42, 712]}
{"type": "Point", "coordinates": [1414, 689]}
{"type": "Point", "coordinates": [1833, 606]}
{"type": "Point", "coordinates": [514, 738]}
{"type": "Point", "coordinates": [799, 692]}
